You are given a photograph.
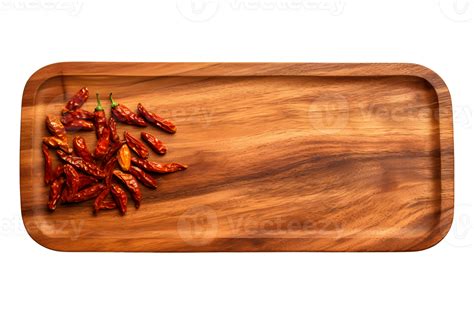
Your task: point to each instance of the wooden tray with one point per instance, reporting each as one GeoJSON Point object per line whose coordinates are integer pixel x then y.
{"type": "Point", "coordinates": [283, 157]}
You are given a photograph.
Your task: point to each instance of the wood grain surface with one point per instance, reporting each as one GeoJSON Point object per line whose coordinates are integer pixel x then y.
{"type": "Point", "coordinates": [282, 157]}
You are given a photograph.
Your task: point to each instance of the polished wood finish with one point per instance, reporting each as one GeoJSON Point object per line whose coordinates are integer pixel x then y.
{"type": "Point", "coordinates": [282, 157]}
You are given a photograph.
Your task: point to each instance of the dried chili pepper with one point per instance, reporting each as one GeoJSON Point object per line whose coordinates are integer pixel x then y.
{"type": "Point", "coordinates": [120, 197]}
{"type": "Point", "coordinates": [136, 146]}
{"type": "Point", "coordinates": [114, 137]}
{"type": "Point", "coordinates": [102, 144]}
{"type": "Point", "coordinates": [132, 185]}
{"type": "Point", "coordinates": [85, 180]}
{"type": "Point", "coordinates": [59, 171]}
{"type": "Point", "coordinates": [81, 164]}
{"type": "Point", "coordinates": [59, 138]}
{"type": "Point", "coordinates": [72, 179]}
{"type": "Point", "coordinates": [100, 121]}
{"type": "Point", "coordinates": [67, 183]}
{"type": "Point", "coordinates": [87, 193]}
{"type": "Point", "coordinates": [109, 168]}
{"type": "Point", "coordinates": [72, 182]}
{"type": "Point", "coordinates": [77, 100]}
{"type": "Point", "coordinates": [55, 127]}
{"type": "Point", "coordinates": [80, 148]}
{"type": "Point", "coordinates": [48, 165]}
{"type": "Point", "coordinates": [156, 145]}
{"type": "Point", "coordinates": [56, 142]}
{"type": "Point", "coordinates": [124, 157]}
{"type": "Point", "coordinates": [69, 116]}
{"type": "Point", "coordinates": [108, 204]}
{"type": "Point", "coordinates": [102, 195]}
{"type": "Point", "coordinates": [125, 115]}
{"type": "Point", "coordinates": [144, 177]}
{"type": "Point", "coordinates": [113, 149]}
{"type": "Point", "coordinates": [100, 202]}
{"type": "Point", "coordinates": [152, 166]}
{"type": "Point", "coordinates": [156, 120]}
{"type": "Point", "coordinates": [79, 125]}
{"type": "Point", "coordinates": [55, 192]}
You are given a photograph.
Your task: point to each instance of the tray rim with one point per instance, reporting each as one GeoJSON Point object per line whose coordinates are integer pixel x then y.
{"type": "Point", "coordinates": [222, 69]}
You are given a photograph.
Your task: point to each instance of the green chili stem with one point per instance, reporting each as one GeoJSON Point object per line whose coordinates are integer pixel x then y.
{"type": "Point", "coordinates": [99, 105]}
{"type": "Point", "coordinates": [114, 104]}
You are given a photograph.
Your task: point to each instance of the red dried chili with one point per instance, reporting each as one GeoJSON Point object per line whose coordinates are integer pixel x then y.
{"type": "Point", "coordinates": [102, 144]}
{"type": "Point", "coordinates": [77, 100]}
{"type": "Point", "coordinates": [72, 179]}
{"type": "Point", "coordinates": [81, 150]}
{"type": "Point", "coordinates": [55, 192]}
{"type": "Point", "coordinates": [87, 193]}
{"type": "Point", "coordinates": [69, 116]}
{"type": "Point", "coordinates": [108, 204]}
{"type": "Point", "coordinates": [48, 165]}
{"type": "Point", "coordinates": [136, 146]}
{"type": "Point", "coordinates": [144, 177]}
{"type": "Point", "coordinates": [114, 137]}
{"type": "Point", "coordinates": [131, 183]}
{"type": "Point", "coordinates": [100, 202]}
{"type": "Point", "coordinates": [113, 149]}
{"type": "Point", "coordinates": [79, 125]}
{"type": "Point", "coordinates": [81, 164]}
{"type": "Point", "coordinates": [100, 121]}
{"type": "Point", "coordinates": [56, 142]}
{"type": "Point", "coordinates": [120, 197]}
{"type": "Point", "coordinates": [59, 138]}
{"type": "Point", "coordinates": [109, 168]}
{"type": "Point", "coordinates": [72, 182]}
{"type": "Point", "coordinates": [58, 171]}
{"type": "Point", "coordinates": [152, 166]}
{"type": "Point", "coordinates": [156, 145]}
{"type": "Point", "coordinates": [125, 115]}
{"type": "Point", "coordinates": [156, 120]}
{"type": "Point", "coordinates": [85, 180]}
{"type": "Point", "coordinates": [55, 127]}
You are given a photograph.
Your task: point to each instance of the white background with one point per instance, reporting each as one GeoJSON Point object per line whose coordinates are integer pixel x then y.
{"type": "Point", "coordinates": [437, 34]}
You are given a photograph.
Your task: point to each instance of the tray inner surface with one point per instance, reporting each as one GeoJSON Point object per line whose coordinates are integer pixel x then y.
{"type": "Point", "coordinates": [270, 157]}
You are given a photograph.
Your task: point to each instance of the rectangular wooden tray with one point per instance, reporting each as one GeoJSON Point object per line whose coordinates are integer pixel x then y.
{"type": "Point", "coordinates": [282, 157]}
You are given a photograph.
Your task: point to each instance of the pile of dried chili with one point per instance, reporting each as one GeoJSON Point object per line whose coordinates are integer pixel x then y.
{"type": "Point", "coordinates": [82, 176]}
{"type": "Point", "coordinates": [73, 117]}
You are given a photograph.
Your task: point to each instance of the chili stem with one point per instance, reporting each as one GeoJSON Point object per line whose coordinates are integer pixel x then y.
{"type": "Point", "coordinates": [99, 105]}
{"type": "Point", "coordinates": [114, 104]}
